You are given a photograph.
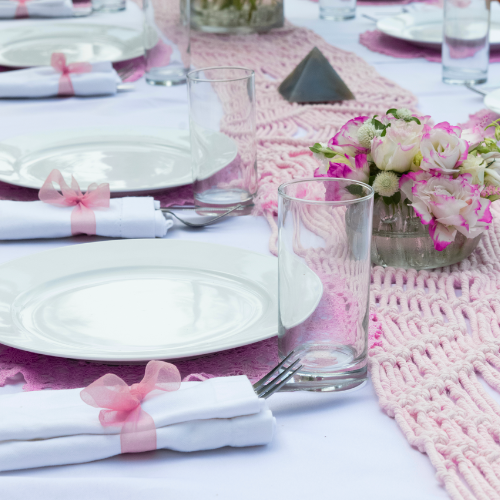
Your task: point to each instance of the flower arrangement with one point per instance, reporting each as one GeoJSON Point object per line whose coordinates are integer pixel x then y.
{"type": "Point", "coordinates": [449, 176]}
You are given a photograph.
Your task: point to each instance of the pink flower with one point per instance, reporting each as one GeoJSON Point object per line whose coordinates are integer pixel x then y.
{"type": "Point", "coordinates": [355, 168]}
{"type": "Point", "coordinates": [397, 149]}
{"type": "Point", "coordinates": [474, 136]}
{"type": "Point", "coordinates": [442, 148]}
{"type": "Point", "coordinates": [447, 205]}
{"type": "Point", "coordinates": [346, 139]}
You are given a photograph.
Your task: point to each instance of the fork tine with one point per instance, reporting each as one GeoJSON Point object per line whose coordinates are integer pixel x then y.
{"type": "Point", "coordinates": [277, 387]}
{"type": "Point", "coordinates": [284, 373]}
{"type": "Point", "coordinates": [265, 378]}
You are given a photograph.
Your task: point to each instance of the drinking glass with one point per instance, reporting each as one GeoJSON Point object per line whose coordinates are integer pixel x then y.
{"type": "Point", "coordinates": [109, 5]}
{"type": "Point", "coordinates": [167, 42]}
{"type": "Point", "coordinates": [223, 144]}
{"type": "Point", "coordinates": [337, 10]}
{"type": "Point", "coordinates": [325, 227]}
{"type": "Point", "coordinates": [466, 46]}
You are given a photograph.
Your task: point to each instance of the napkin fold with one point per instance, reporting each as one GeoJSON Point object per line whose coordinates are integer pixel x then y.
{"type": "Point", "coordinates": [44, 81]}
{"type": "Point", "coordinates": [37, 8]}
{"type": "Point", "coordinates": [130, 217]}
{"type": "Point", "coordinates": [56, 427]}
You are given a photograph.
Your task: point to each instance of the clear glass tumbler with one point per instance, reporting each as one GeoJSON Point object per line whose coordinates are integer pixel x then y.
{"type": "Point", "coordinates": [466, 46]}
{"type": "Point", "coordinates": [109, 5]}
{"type": "Point", "coordinates": [223, 143]}
{"type": "Point", "coordinates": [337, 10]}
{"type": "Point", "coordinates": [325, 228]}
{"type": "Point", "coordinates": [167, 41]}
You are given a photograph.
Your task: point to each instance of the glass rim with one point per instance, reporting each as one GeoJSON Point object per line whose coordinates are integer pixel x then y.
{"type": "Point", "coordinates": [328, 179]}
{"type": "Point", "coordinates": [210, 80]}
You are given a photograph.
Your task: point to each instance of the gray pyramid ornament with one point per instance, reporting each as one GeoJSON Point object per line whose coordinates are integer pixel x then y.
{"type": "Point", "coordinates": [314, 80]}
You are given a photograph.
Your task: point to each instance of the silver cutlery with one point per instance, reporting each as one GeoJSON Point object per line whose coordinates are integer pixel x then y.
{"type": "Point", "coordinates": [126, 71]}
{"type": "Point", "coordinates": [285, 373]}
{"type": "Point", "coordinates": [201, 224]}
{"type": "Point", "coordinates": [125, 87]}
{"type": "Point", "coordinates": [475, 89]}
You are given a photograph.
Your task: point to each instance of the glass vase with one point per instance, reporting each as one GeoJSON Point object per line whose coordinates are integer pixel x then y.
{"type": "Point", "coordinates": [236, 16]}
{"type": "Point", "coordinates": [399, 239]}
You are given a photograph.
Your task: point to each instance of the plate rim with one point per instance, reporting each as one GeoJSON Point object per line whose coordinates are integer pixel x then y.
{"type": "Point", "coordinates": [136, 52]}
{"type": "Point", "coordinates": [80, 133]}
{"type": "Point", "coordinates": [120, 359]}
{"type": "Point", "coordinates": [413, 15]}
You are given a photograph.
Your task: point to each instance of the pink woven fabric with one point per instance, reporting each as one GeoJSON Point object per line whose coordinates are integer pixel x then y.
{"type": "Point", "coordinates": [379, 42]}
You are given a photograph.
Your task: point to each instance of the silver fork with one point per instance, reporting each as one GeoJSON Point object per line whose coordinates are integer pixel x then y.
{"type": "Point", "coordinates": [264, 390]}
{"type": "Point", "coordinates": [201, 224]}
{"type": "Point", "coordinates": [126, 71]}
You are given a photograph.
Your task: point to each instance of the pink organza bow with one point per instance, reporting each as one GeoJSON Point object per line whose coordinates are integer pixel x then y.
{"type": "Point", "coordinates": [123, 403]}
{"type": "Point", "coordinates": [58, 62]}
{"type": "Point", "coordinates": [21, 9]}
{"type": "Point", "coordinates": [82, 216]}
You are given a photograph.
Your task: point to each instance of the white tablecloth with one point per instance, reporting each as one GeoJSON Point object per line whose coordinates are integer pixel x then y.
{"type": "Point", "coordinates": [327, 445]}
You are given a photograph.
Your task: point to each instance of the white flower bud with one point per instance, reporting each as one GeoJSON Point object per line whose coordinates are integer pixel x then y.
{"type": "Point", "coordinates": [366, 133]}
{"type": "Point", "coordinates": [386, 184]}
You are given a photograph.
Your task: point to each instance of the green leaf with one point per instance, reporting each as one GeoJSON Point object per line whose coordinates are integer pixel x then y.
{"type": "Point", "coordinates": [396, 197]}
{"type": "Point", "coordinates": [407, 201]}
{"type": "Point", "coordinates": [393, 112]}
{"type": "Point", "coordinates": [378, 125]}
{"type": "Point", "coordinates": [383, 133]}
{"type": "Point", "coordinates": [414, 119]}
{"type": "Point", "coordinates": [314, 150]}
{"type": "Point", "coordinates": [376, 196]}
{"type": "Point", "coordinates": [371, 179]}
{"type": "Point", "coordinates": [355, 189]}
{"type": "Point", "coordinates": [387, 200]}
{"type": "Point", "coordinates": [329, 155]}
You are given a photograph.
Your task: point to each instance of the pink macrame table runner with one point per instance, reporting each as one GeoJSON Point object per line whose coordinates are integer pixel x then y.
{"type": "Point", "coordinates": [424, 364]}
{"type": "Point", "coordinates": [377, 41]}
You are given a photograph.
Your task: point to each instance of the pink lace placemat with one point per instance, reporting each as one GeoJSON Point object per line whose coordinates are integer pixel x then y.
{"type": "Point", "coordinates": [384, 44]}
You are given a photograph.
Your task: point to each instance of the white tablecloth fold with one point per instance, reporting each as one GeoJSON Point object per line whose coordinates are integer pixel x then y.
{"type": "Point", "coordinates": [43, 81]}
{"type": "Point", "coordinates": [56, 427]}
{"type": "Point", "coordinates": [130, 217]}
{"type": "Point", "coordinates": [38, 8]}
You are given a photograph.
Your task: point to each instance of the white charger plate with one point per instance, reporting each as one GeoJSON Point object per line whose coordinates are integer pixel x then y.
{"type": "Point", "coordinates": [33, 45]}
{"type": "Point", "coordinates": [426, 28]}
{"type": "Point", "coordinates": [136, 300]}
{"type": "Point", "coordinates": [129, 159]}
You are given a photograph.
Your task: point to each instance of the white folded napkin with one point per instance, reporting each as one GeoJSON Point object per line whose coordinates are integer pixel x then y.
{"type": "Point", "coordinates": [38, 8]}
{"type": "Point", "coordinates": [43, 81]}
{"type": "Point", "coordinates": [130, 217]}
{"type": "Point", "coordinates": [56, 427]}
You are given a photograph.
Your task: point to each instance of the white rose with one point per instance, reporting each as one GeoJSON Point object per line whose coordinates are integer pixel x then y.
{"type": "Point", "coordinates": [397, 149]}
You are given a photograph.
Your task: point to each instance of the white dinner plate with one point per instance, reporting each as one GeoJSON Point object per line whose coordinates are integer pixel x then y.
{"type": "Point", "coordinates": [136, 300]}
{"type": "Point", "coordinates": [129, 159]}
{"type": "Point", "coordinates": [426, 28]}
{"type": "Point", "coordinates": [33, 45]}
{"type": "Point", "coordinates": [492, 101]}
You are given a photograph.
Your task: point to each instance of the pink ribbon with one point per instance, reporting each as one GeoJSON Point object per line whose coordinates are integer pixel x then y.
{"type": "Point", "coordinates": [21, 9]}
{"type": "Point", "coordinates": [82, 216]}
{"type": "Point", "coordinates": [58, 62]}
{"type": "Point", "coordinates": [123, 404]}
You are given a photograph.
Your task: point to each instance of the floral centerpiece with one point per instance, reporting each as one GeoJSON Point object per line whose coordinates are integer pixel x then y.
{"type": "Point", "coordinates": [236, 16]}
{"type": "Point", "coordinates": [435, 182]}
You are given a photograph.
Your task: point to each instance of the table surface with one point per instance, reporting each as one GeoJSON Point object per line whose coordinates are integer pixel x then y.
{"type": "Point", "coordinates": [326, 445]}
